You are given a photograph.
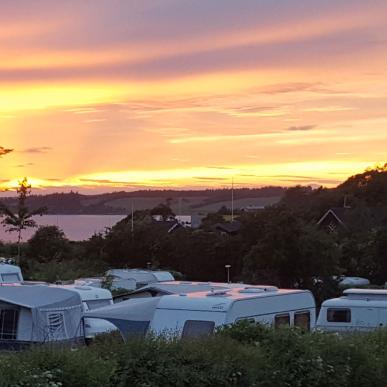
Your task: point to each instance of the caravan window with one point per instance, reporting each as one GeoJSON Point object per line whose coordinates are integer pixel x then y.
{"type": "Point", "coordinates": [302, 320]}
{"type": "Point", "coordinates": [282, 320]}
{"type": "Point", "coordinates": [340, 315]}
{"type": "Point", "coordinates": [10, 277]}
{"type": "Point", "coordinates": [56, 326]}
{"type": "Point", "coordinates": [95, 304]}
{"type": "Point", "coordinates": [196, 328]}
{"type": "Point", "coordinates": [8, 324]}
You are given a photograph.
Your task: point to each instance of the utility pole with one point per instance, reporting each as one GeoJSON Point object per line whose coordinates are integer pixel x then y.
{"type": "Point", "coordinates": [227, 267]}
{"type": "Point", "coordinates": [232, 199]}
{"type": "Point", "coordinates": [132, 222]}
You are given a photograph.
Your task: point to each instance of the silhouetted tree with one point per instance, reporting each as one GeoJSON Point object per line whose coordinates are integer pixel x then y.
{"type": "Point", "coordinates": [290, 253]}
{"type": "Point", "coordinates": [163, 210]}
{"type": "Point", "coordinates": [48, 243]}
{"type": "Point", "coordinates": [22, 219]}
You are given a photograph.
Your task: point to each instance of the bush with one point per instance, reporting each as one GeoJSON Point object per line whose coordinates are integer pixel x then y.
{"type": "Point", "coordinates": [240, 355]}
{"type": "Point", "coordinates": [55, 367]}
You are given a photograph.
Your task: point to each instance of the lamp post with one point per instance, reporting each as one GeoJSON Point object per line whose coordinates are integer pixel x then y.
{"type": "Point", "coordinates": [148, 265]}
{"type": "Point", "coordinates": [227, 267]}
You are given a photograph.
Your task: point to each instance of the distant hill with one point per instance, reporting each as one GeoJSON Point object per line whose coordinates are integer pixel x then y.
{"type": "Point", "coordinates": [183, 202]}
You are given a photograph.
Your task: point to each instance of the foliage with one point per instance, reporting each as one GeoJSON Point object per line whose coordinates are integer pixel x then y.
{"type": "Point", "coordinates": [48, 243]}
{"type": "Point", "coordinates": [22, 219]}
{"type": "Point", "coordinates": [240, 355]}
{"type": "Point", "coordinates": [163, 210]}
{"type": "Point", "coordinates": [289, 253]}
{"type": "Point", "coordinates": [70, 269]}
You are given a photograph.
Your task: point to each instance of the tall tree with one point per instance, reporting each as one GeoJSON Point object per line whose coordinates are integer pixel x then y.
{"type": "Point", "coordinates": [22, 218]}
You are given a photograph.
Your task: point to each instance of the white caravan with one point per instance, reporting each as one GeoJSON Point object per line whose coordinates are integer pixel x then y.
{"type": "Point", "coordinates": [197, 313]}
{"type": "Point", "coordinates": [37, 314]}
{"type": "Point", "coordinates": [357, 310]}
{"type": "Point", "coordinates": [10, 274]}
{"type": "Point", "coordinates": [93, 298]}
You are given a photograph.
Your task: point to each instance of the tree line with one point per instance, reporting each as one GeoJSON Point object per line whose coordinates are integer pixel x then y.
{"type": "Point", "coordinates": [281, 245]}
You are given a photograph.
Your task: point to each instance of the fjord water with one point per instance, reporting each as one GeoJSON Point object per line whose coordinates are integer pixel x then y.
{"type": "Point", "coordinates": [76, 227]}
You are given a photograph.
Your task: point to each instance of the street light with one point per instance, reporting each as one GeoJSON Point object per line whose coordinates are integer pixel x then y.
{"type": "Point", "coordinates": [228, 272]}
{"type": "Point", "coordinates": [148, 265]}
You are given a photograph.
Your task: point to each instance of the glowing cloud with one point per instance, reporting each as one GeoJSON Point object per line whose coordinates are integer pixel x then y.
{"type": "Point", "coordinates": [155, 93]}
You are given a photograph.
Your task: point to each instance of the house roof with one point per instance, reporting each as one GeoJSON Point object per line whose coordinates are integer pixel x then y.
{"type": "Point", "coordinates": [348, 216]}
{"type": "Point", "coordinates": [339, 213]}
{"type": "Point", "coordinates": [228, 227]}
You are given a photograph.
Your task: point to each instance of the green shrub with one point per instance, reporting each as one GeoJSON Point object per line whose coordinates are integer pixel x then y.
{"type": "Point", "coordinates": [240, 355]}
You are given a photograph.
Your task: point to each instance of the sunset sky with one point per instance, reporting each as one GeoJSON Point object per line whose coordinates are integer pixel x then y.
{"type": "Point", "coordinates": [130, 94]}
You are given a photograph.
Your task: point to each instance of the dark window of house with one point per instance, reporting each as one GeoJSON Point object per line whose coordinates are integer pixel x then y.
{"type": "Point", "coordinates": [8, 324]}
{"type": "Point", "coordinates": [302, 320]}
{"type": "Point", "coordinates": [340, 315]}
{"type": "Point", "coordinates": [282, 320]}
{"type": "Point", "coordinates": [195, 328]}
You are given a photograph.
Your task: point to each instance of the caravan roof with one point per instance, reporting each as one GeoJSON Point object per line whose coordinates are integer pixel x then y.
{"type": "Point", "coordinates": [87, 292]}
{"type": "Point", "coordinates": [175, 287]}
{"type": "Point", "coordinates": [145, 276]}
{"type": "Point", "coordinates": [220, 299]}
{"type": "Point", "coordinates": [359, 298]}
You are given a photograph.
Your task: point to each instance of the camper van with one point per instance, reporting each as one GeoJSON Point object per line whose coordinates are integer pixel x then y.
{"type": "Point", "coordinates": [197, 313]}
{"type": "Point", "coordinates": [38, 314]}
{"type": "Point", "coordinates": [356, 310]}
{"type": "Point", "coordinates": [10, 274]}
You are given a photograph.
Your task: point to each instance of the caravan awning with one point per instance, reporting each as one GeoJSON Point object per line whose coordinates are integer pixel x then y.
{"type": "Point", "coordinates": [37, 296]}
{"type": "Point", "coordinates": [131, 317]}
{"type": "Point", "coordinates": [138, 309]}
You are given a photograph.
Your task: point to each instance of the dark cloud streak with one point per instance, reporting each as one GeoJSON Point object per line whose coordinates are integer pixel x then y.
{"type": "Point", "coordinates": [40, 149]}
{"type": "Point", "coordinates": [5, 151]}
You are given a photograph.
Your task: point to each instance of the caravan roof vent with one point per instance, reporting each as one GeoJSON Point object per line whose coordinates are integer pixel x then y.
{"type": "Point", "coordinates": [263, 288]}
{"type": "Point", "coordinates": [251, 290]}
{"type": "Point", "coordinates": [218, 293]}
